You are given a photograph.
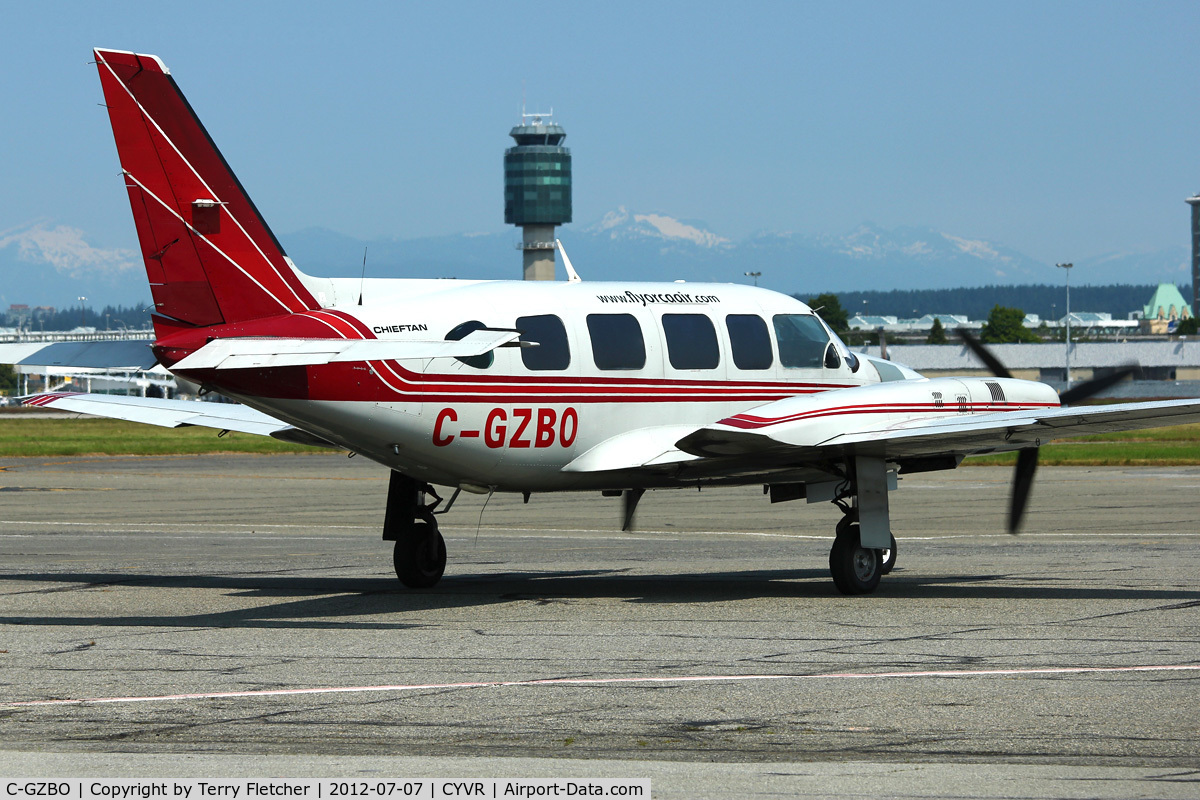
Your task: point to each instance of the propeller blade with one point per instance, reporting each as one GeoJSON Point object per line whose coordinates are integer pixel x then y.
{"type": "Point", "coordinates": [983, 354]}
{"type": "Point", "coordinates": [1027, 461]}
{"type": "Point", "coordinates": [1088, 388]}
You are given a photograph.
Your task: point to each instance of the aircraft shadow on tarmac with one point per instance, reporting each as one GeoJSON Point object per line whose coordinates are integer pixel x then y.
{"type": "Point", "coordinates": [378, 603]}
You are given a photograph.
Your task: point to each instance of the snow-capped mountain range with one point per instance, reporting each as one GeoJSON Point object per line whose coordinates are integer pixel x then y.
{"type": "Point", "coordinates": [622, 245]}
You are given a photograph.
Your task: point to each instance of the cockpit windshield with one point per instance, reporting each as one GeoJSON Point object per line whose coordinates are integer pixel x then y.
{"type": "Point", "coordinates": [802, 340]}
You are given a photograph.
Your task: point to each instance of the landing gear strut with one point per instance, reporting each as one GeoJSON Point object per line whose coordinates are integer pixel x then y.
{"type": "Point", "coordinates": [864, 549]}
{"type": "Point", "coordinates": [419, 555]}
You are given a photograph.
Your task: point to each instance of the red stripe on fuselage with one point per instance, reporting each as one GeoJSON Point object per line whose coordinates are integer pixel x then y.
{"type": "Point", "coordinates": [389, 381]}
{"type": "Point", "coordinates": [751, 422]}
{"type": "Point", "coordinates": [383, 382]}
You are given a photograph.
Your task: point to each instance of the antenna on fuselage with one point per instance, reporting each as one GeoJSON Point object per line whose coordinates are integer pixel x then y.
{"type": "Point", "coordinates": [363, 278]}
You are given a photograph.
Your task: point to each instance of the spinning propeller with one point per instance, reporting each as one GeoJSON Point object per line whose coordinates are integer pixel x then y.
{"type": "Point", "coordinates": [1027, 459]}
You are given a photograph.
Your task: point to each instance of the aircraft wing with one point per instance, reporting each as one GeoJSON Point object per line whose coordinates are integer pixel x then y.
{"type": "Point", "coordinates": [129, 355]}
{"type": "Point", "coordinates": [172, 413]}
{"type": "Point", "coordinates": [283, 352]}
{"type": "Point", "coordinates": [945, 436]}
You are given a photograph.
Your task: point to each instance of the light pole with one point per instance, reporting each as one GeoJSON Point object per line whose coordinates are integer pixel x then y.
{"type": "Point", "coordinates": [1067, 267]}
{"type": "Point", "coordinates": [754, 275]}
{"type": "Point", "coordinates": [82, 300]}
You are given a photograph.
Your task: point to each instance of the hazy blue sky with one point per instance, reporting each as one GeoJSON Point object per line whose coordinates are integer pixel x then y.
{"type": "Point", "coordinates": [1063, 129]}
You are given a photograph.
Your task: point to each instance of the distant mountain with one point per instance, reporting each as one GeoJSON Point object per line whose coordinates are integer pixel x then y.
{"type": "Point", "coordinates": [1169, 265]}
{"type": "Point", "coordinates": [625, 245]}
{"type": "Point", "coordinates": [621, 225]}
{"type": "Point", "coordinates": [54, 265]}
{"type": "Point", "coordinates": [910, 257]}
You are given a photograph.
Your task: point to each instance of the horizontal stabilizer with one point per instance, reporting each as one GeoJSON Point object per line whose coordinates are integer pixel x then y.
{"type": "Point", "coordinates": [281, 352]}
{"type": "Point", "coordinates": [129, 355]}
{"type": "Point", "coordinates": [164, 413]}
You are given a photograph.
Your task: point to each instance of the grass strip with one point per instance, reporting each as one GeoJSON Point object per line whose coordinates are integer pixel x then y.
{"type": "Point", "coordinates": [1105, 454]}
{"type": "Point", "coordinates": [22, 435]}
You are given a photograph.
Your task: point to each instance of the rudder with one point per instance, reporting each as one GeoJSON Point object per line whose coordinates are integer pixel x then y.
{"type": "Point", "coordinates": [209, 255]}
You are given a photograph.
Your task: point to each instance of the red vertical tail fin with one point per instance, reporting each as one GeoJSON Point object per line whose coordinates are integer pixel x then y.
{"type": "Point", "coordinates": [209, 254]}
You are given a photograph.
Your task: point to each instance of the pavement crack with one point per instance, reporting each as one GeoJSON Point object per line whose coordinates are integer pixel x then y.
{"type": "Point", "coordinates": [1170, 607]}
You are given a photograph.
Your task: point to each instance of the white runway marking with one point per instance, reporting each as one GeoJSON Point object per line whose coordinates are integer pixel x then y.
{"type": "Point", "coordinates": [546, 533]}
{"type": "Point", "coordinates": [646, 680]}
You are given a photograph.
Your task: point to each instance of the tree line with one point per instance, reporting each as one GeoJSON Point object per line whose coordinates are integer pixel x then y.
{"type": "Point", "coordinates": [1004, 324]}
{"type": "Point", "coordinates": [1046, 300]}
{"type": "Point", "coordinates": [65, 319]}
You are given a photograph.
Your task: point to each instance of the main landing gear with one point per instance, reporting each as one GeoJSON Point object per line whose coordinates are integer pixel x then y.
{"type": "Point", "coordinates": [419, 555]}
{"type": "Point", "coordinates": [857, 569]}
{"type": "Point", "coordinates": [864, 549]}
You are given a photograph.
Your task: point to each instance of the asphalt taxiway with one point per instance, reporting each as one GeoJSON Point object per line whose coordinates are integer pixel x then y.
{"type": "Point", "coordinates": [239, 614]}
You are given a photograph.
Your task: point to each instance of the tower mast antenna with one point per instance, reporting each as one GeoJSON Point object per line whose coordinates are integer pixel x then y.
{"type": "Point", "coordinates": [363, 278]}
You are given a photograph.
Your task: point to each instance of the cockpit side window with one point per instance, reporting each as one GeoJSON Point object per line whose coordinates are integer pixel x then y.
{"type": "Point", "coordinates": [460, 332]}
{"type": "Point", "coordinates": [802, 340]}
{"type": "Point", "coordinates": [553, 350]}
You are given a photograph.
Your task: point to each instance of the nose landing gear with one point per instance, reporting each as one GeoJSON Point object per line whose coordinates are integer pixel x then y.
{"type": "Point", "coordinates": [419, 555]}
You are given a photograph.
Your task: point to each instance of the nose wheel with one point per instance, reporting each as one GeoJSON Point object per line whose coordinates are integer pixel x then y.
{"type": "Point", "coordinates": [420, 555]}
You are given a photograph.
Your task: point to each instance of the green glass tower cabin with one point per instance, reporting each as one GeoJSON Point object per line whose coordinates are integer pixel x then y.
{"type": "Point", "coordinates": [537, 190]}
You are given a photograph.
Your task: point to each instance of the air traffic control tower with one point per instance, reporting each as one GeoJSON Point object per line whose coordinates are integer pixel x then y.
{"type": "Point", "coordinates": [537, 190]}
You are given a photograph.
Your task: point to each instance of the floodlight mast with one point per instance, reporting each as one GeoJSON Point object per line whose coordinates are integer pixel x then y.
{"type": "Point", "coordinates": [1067, 267]}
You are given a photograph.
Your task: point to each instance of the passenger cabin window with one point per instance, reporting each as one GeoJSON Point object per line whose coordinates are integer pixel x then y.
{"type": "Point", "coordinates": [553, 351]}
{"type": "Point", "coordinates": [750, 341]}
{"type": "Point", "coordinates": [460, 332]}
{"type": "Point", "coordinates": [691, 341]}
{"type": "Point", "coordinates": [802, 340]}
{"type": "Point", "coordinates": [617, 341]}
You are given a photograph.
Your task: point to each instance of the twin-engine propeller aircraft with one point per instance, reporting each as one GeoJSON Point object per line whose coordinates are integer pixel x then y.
{"type": "Point", "coordinates": [537, 387]}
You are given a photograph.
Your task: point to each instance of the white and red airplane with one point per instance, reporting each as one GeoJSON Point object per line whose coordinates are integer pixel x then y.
{"type": "Point", "coordinates": [537, 387]}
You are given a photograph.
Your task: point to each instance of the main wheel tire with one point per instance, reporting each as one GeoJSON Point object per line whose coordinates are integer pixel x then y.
{"type": "Point", "coordinates": [420, 555]}
{"type": "Point", "coordinates": [888, 558]}
{"type": "Point", "coordinates": [855, 569]}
